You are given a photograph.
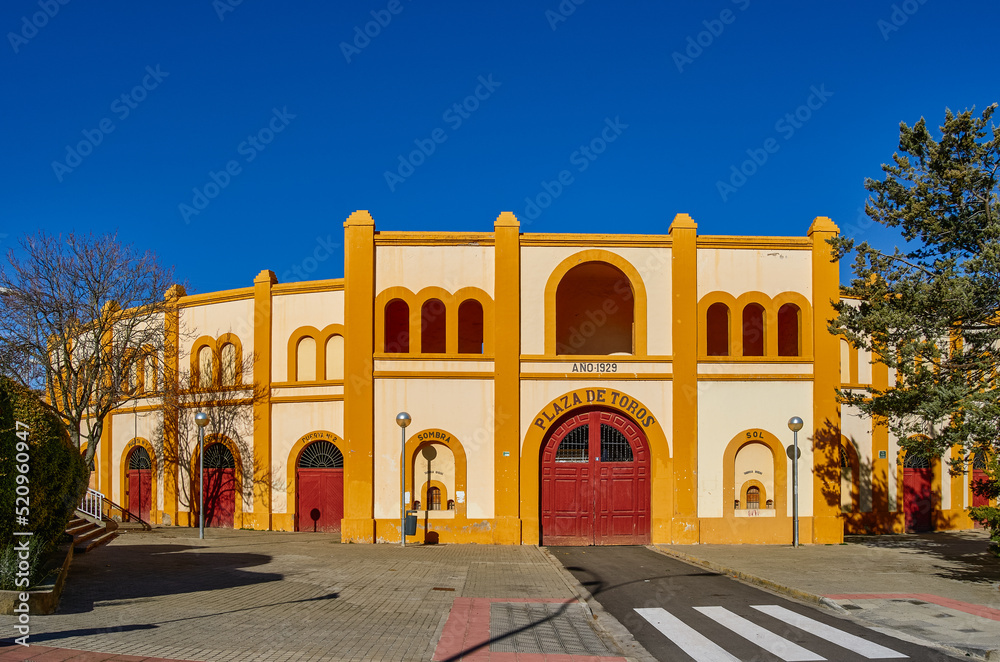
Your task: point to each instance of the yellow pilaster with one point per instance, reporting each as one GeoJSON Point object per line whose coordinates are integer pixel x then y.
{"type": "Point", "coordinates": [882, 514]}
{"type": "Point", "coordinates": [171, 354]}
{"type": "Point", "coordinates": [261, 517]}
{"type": "Point", "coordinates": [507, 383]}
{"type": "Point", "coordinates": [359, 388]}
{"type": "Point", "coordinates": [684, 278]}
{"type": "Point", "coordinates": [827, 525]}
{"type": "Point", "coordinates": [104, 457]}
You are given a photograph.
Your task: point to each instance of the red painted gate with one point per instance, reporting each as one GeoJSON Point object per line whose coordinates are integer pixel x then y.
{"type": "Point", "coordinates": [595, 482]}
{"type": "Point", "coordinates": [917, 502]}
{"type": "Point", "coordinates": [320, 493]}
{"type": "Point", "coordinates": [220, 486]}
{"type": "Point", "coordinates": [140, 483]}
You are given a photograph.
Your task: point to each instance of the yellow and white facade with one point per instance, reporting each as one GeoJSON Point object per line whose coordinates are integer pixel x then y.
{"type": "Point", "coordinates": [696, 348]}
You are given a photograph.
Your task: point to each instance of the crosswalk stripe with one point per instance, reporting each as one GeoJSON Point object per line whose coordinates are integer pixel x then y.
{"type": "Point", "coordinates": [862, 647]}
{"type": "Point", "coordinates": [772, 643]}
{"type": "Point", "coordinates": [687, 638]}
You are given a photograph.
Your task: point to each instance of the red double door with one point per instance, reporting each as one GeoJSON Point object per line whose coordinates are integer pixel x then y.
{"type": "Point", "coordinates": [320, 499]}
{"type": "Point", "coordinates": [220, 497]}
{"type": "Point", "coordinates": [595, 482]}
{"type": "Point", "coordinates": [140, 485]}
{"type": "Point", "coordinates": [917, 503]}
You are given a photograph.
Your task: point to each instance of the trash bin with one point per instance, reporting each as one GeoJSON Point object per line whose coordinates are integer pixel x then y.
{"type": "Point", "coordinates": [410, 527]}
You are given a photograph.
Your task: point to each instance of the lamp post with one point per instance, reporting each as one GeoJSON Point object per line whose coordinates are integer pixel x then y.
{"type": "Point", "coordinates": [795, 424]}
{"type": "Point", "coordinates": [201, 420]}
{"type": "Point", "coordinates": [402, 420]}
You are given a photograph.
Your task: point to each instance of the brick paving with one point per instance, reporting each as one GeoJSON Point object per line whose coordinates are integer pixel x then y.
{"type": "Point", "coordinates": [276, 596]}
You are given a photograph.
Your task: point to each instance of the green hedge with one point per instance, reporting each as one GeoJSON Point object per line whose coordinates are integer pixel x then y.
{"type": "Point", "coordinates": [57, 475]}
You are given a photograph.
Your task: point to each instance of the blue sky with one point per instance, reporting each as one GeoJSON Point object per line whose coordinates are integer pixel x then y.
{"type": "Point", "coordinates": [232, 136]}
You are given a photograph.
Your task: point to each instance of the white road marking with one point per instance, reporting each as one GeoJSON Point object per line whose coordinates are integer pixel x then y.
{"type": "Point", "coordinates": [772, 643]}
{"type": "Point", "coordinates": [862, 647]}
{"type": "Point", "coordinates": [687, 638]}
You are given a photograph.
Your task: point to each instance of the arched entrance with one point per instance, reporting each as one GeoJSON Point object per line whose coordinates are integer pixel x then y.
{"type": "Point", "coordinates": [140, 483]}
{"type": "Point", "coordinates": [320, 495]}
{"type": "Point", "coordinates": [595, 481]}
{"type": "Point", "coordinates": [917, 504]}
{"type": "Point", "coordinates": [220, 486]}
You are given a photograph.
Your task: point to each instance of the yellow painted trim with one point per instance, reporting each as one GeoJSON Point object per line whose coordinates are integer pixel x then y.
{"type": "Point", "coordinates": [431, 374]}
{"type": "Point", "coordinates": [639, 303]}
{"type": "Point", "coordinates": [661, 466]}
{"type": "Point", "coordinates": [598, 240]}
{"type": "Point", "coordinates": [778, 377]}
{"type": "Point", "coordinates": [216, 345]}
{"type": "Point", "coordinates": [771, 307]}
{"type": "Point", "coordinates": [594, 358]}
{"type": "Point", "coordinates": [779, 466]}
{"type": "Point", "coordinates": [754, 243]}
{"type": "Point", "coordinates": [321, 338]}
{"type": "Point", "coordinates": [291, 475]}
{"type": "Point", "coordinates": [405, 238]}
{"type": "Point", "coordinates": [171, 371]}
{"type": "Point", "coordinates": [238, 476]}
{"type": "Point", "coordinates": [224, 296]}
{"type": "Point", "coordinates": [262, 342]}
{"type": "Point", "coordinates": [123, 470]}
{"type": "Point", "coordinates": [309, 287]}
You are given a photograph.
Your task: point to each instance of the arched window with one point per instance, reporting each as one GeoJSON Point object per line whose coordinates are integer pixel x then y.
{"type": "Point", "coordinates": [914, 461]}
{"type": "Point", "coordinates": [753, 498]}
{"type": "Point", "coordinates": [753, 330]}
{"type": "Point", "coordinates": [206, 367]}
{"type": "Point", "coordinates": [335, 357]}
{"type": "Point", "coordinates": [717, 327]}
{"type": "Point", "coordinates": [595, 311]}
{"type": "Point", "coordinates": [788, 330]}
{"type": "Point", "coordinates": [305, 359]}
{"type": "Point", "coordinates": [227, 369]}
{"type": "Point", "coordinates": [470, 327]}
{"type": "Point", "coordinates": [576, 446]}
{"type": "Point", "coordinates": [321, 454]}
{"type": "Point", "coordinates": [433, 498]}
{"type": "Point", "coordinates": [139, 459]}
{"type": "Point", "coordinates": [397, 327]}
{"type": "Point", "coordinates": [433, 318]}
{"type": "Point", "coordinates": [218, 456]}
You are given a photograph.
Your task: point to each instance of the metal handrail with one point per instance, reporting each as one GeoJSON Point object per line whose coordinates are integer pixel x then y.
{"type": "Point", "coordinates": [93, 504]}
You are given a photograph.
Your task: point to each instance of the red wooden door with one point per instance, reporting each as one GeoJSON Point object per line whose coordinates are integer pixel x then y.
{"type": "Point", "coordinates": [979, 499]}
{"type": "Point", "coordinates": [140, 483]}
{"type": "Point", "coordinates": [917, 504]}
{"type": "Point", "coordinates": [220, 497]}
{"type": "Point", "coordinates": [320, 500]}
{"type": "Point", "coordinates": [595, 482]}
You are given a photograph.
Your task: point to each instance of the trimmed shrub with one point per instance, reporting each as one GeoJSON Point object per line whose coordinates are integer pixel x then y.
{"type": "Point", "coordinates": [56, 478]}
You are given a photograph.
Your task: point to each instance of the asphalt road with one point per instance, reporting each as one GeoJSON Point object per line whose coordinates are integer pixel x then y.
{"type": "Point", "coordinates": [681, 612]}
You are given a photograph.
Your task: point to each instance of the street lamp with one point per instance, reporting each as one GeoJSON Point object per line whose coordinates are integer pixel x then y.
{"type": "Point", "coordinates": [402, 420]}
{"type": "Point", "coordinates": [795, 424]}
{"type": "Point", "coordinates": [201, 420]}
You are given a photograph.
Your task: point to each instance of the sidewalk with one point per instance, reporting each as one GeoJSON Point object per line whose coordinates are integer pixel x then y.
{"type": "Point", "coordinates": [939, 588]}
{"type": "Point", "coordinates": [272, 596]}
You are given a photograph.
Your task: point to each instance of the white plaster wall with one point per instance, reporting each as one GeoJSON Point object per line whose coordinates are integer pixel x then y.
{"type": "Point", "coordinates": [656, 397]}
{"type": "Point", "coordinates": [239, 429]}
{"type": "Point", "coordinates": [754, 458]}
{"type": "Point", "coordinates": [750, 270]}
{"type": "Point", "coordinates": [292, 311]}
{"type": "Point", "coordinates": [726, 409]}
{"type": "Point", "coordinates": [859, 431]}
{"type": "Point", "coordinates": [449, 267]}
{"type": "Point", "coordinates": [213, 320]}
{"type": "Point", "coordinates": [894, 470]}
{"type": "Point", "coordinates": [124, 428]}
{"type": "Point", "coordinates": [653, 265]}
{"type": "Point", "coordinates": [864, 366]}
{"type": "Point", "coordinates": [289, 423]}
{"type": "Point", "coordinates": [463, 407]}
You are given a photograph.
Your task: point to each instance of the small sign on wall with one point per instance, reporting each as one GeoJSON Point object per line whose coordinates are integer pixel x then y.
{"type": "Point", "coordinates": [883, 455]}
{"type": "Point", "coordinates": [460, 496]}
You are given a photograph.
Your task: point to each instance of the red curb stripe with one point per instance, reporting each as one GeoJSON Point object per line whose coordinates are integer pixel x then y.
{"type": "Point", "coordinates": [958, 605]}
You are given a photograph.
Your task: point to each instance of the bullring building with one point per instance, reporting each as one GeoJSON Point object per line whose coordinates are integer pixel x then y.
{"type": "Point", "coordinates": [563, 389]}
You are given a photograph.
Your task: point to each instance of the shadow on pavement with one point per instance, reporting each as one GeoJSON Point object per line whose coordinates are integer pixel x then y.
{"type": "Point", "coordinates": [129, 572]}
{"type": "Point", "coordinates": [961, 555]}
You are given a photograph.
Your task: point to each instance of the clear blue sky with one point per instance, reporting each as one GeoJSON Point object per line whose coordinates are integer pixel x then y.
{"type": "Point", "coordinates": [182, 86]}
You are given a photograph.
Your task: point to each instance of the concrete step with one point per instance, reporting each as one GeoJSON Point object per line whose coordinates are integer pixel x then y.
{"type": "Point", "coordinates": [103, 539]}
{"type": "Point", "coordinates": [87, 534]}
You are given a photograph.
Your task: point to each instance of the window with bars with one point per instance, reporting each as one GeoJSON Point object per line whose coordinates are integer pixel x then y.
{"type": "Point", "coordinates": [614, 445]}
{"type": "Point", "coordinates": [218, 456]}
{"type": "Point", "coordinates": [433, 498]}
{"type": "Point", "coordinates": [576, 446]}
{"type": "Point", "coordinates": [321, 455]}
{"type": "Point", "coordinates": [914, 461]}
{"type": "Point", "coordinates": [139, 459]}
{"type": "Point", "coordinates": [753, 498]}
